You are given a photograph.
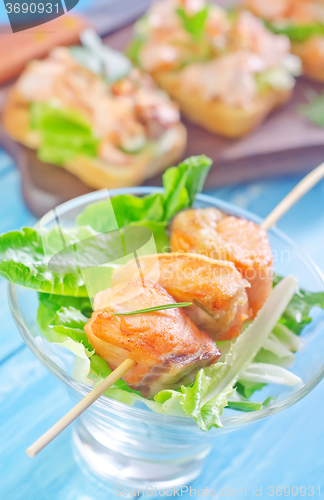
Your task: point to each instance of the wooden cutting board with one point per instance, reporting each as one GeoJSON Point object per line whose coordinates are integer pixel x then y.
{"type": "Point", "coordinates": [285, 144]}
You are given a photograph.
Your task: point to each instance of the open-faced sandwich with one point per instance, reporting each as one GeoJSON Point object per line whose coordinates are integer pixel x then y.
{"type": "Point", "coordinates": [88, 110]}
{"type": "Point", "coordinates": [303, 22]}
{"type": "Point", "coordinates": [225, 69]}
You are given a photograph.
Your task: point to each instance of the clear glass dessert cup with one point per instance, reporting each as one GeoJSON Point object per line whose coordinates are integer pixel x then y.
{"type": "Point", "coordinates": [134, 447]}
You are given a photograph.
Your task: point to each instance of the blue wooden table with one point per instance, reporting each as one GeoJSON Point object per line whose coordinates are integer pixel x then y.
{"type": "Point", "coordinates": [284, 450]}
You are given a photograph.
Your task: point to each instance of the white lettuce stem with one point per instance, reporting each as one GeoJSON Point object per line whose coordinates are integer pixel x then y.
{"type": "Point", "coordinates": [273, 344]}
{"type": "Point", "coordinates": [252, 339]}
{"type": "Point", "coordinates": [292, 341]}
{"type": "Point", "coordinates": [272, 374]}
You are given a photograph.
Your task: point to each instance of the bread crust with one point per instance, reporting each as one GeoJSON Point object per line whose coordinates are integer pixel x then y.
{"type": "Point", "coordinates": [93, 171]}
{"type": "Point", "coordinates": [217, 116]}
{"type": "Point", "coordinates": [313, 64]}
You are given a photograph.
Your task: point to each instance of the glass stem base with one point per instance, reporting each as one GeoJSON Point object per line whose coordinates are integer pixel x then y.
{"type": "Point", "coordinates": [118, 468]}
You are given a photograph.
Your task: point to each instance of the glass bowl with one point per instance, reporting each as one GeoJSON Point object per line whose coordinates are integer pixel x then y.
{"type": "Point", "coordinates": [132, 446]}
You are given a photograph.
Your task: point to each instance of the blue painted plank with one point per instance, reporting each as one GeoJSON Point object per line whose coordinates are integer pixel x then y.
{"type": "Point", "coordinates": [279, 451]}
{"type": "Point", "coordinates": [13, 215]}
{"type": "Point", "coordinates": [13, 211]}
{"type": "Point", "coordinates": [6, 164]}
{"type": "Point", "coordinates": [10, 339]}
{"type": "Point", "coordinates": [284, 450]}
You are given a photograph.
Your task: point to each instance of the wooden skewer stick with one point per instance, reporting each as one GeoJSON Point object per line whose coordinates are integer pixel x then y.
{"type": "Point", "coordinates": [80, 407]}
{"type": "Point", "coordinates": [302, 188]}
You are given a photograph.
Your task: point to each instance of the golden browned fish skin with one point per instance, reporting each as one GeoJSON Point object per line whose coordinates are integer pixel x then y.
{"type": "Point", "coordinates": [168, 348]}
{"type": "Point", "coordinates": [216, 287]}
{"type": "Point", "coordinates": [219, 236]}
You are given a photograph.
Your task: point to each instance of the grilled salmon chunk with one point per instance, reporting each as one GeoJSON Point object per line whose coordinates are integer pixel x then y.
{"type": "Point", "coordinates": [166, 345]}
{"type": "Point", "coordinates": [212, 233]}
{"type": "Point", "coordinates": [216, 287]}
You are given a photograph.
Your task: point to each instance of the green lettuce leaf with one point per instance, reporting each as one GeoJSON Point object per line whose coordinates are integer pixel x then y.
{"type": "Point", "coordinates": [22, 257]}
{"type": "Point", "coordinates": [246, 406]}
{"type": "Point", "coordinates": [195, 23]}
{"type": "Point", "coordinates": [278, 78]}
{"type": "Point", "coordinates": [247, 388]}
{"type": "Point", "coordinates": [241, 404]}
{"type": "Point", "coordinates": [181, 184]}
{"type": "Point", "coordinates": [141, 34]}
{"type": "Point", "coordinates": [296, 315]}
{"type": "Point", "coordinates": [50, 304]}
{"type": "Point", "coordinates": [206, 414]}
{"type": "Point", "coordinates": [159, 230]}
{"type": "Point", "coordinates": [100, 58]}
{"type": "Point", "coordinates": [22, 261]}
{"type": "Point", "coordinates": [81, 365]}
{"type": "Point", "coordinates": [127, 209]}
{"type": "Point", "coordinates": [296, 32]}
{"type": "Point", "coordinates": [314, 110]}
{"type": "Point", "coordinates": [133, 50]}
{"type": "Point", "coordinates": [86, 58]}
{"type": "Point", "coordinates": [65, 133]}
{"type": "Point", "coordinates": [69, 322]}
{"type": "Point", "coordinates": [209, 414]}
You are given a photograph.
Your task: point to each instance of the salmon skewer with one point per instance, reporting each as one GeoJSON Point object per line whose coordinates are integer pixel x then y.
{"type": "Point", "coordinates": [166, 345]}
{"type": "Point", "coordinates": [212, 233]}
{"type": "Point", "coordinates": [208, 351]}
{"type": "Point", "coordinates": [216, 288]}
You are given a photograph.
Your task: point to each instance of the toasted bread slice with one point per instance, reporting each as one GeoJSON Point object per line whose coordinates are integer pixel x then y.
{"type": "Point", "coordinates": [312, 58]}
{"type": "Point", "coordinates": [219, 117]}
{"type": "Point", "coordinates": [93, 171]}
